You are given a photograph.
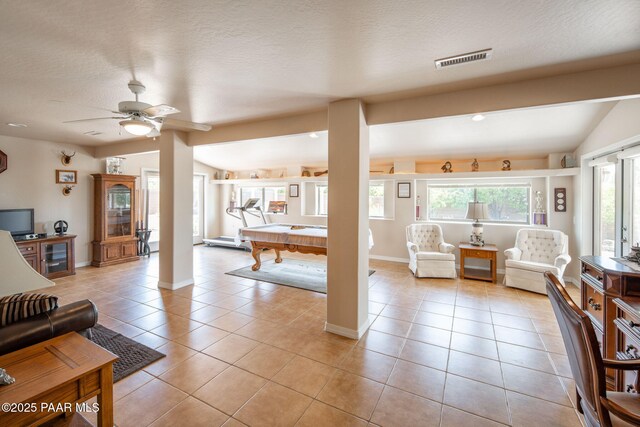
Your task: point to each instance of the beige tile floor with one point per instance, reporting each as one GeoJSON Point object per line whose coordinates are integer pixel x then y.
{"type": "Point", "coordinates": [241, 352]}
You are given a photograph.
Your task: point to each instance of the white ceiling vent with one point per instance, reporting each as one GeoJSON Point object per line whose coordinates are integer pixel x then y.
{"type": "Point", "coordinates": [480, 55]}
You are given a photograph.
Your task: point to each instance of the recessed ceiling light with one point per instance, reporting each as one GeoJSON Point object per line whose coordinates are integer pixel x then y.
{"type": "Point", "coordinates": [478, 118]}
{"type": "Point", "coordinates": [17, 125]}
{"type": "Point", "coordinates": [313, 135]}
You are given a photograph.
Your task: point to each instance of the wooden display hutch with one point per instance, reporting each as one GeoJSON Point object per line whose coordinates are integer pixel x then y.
{"type": "Point", "coordinates": [114, 233]}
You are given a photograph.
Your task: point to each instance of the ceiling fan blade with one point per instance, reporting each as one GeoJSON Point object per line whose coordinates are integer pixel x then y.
{"type": "Point", "coordinates": [183, 125]}
{"type": "Point", "coordinates": [160, 110]}
{"type": "Point", "coordinates": [83, 106]}
{"type": "Point", "coordinates": [95, 118]}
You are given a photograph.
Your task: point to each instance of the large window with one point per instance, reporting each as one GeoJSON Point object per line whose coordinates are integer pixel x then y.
{"type": "Point", "coordinates": [322, 199]}
{"type": "Point", "coordinates": [265, 194]}
{"type": "Point", "coordinates": [376, 199]}
{"type": "Point", "coordinates": [506, 203]}
{"type": "Point", "coordinates": [379, 206]}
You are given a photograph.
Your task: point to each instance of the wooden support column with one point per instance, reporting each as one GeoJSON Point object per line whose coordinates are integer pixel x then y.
{"type": "Point", "coordinates": [348, 221]}
{"type": "Point", "coordinates": [176, 211]}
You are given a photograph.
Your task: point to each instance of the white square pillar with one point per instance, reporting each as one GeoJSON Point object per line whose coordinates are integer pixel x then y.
{"type": "Point", "coordinates": [176, 211]}
{"type": "Point", "coordinates": [348, 221]}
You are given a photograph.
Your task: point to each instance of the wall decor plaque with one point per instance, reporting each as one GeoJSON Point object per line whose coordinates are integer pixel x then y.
{"type": "Point", "coordinates": [3, 162]}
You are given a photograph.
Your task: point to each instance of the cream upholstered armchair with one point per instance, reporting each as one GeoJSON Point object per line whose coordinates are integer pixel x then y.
{"type": "Point", "coordinates": [429, 255]}
{"type": "Point", "coordinates": [535, 252]}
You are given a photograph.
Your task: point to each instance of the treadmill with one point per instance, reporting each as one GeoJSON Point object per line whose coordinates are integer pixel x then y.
{"type": "Point", "coordinates": [230, 241]}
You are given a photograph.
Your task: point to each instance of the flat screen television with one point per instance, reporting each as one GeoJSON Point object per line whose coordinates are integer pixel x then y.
{"type": "Point", "coordinates": [17, 221]}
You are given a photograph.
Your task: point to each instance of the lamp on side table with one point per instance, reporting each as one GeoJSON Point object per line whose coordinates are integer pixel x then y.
{"type": "Point", "coordinates": [477, 211]}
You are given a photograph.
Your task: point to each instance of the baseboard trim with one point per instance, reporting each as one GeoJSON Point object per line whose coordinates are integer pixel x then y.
{"type": "Point", "coordinates": [174, 286]}
{"type": "Point", "coordinates": [389, 258]}
{"type": "Point", "coordinates": [347, 332]}
{"type": "Point", "coordinates": [83, 264]}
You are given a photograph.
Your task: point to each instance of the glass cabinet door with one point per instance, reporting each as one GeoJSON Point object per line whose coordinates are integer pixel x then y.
{"type": "Point", "coordinates": [54, 258]}
{"type": "Point", "coordinates": [119, 211]}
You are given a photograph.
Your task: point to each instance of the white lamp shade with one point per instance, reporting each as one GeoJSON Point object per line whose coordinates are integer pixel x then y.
{"type": "Point", "coordinates": [17, 274]}
{"type": "Point", "coordinates": [477, 210]}
{"type": "Point", "coordinates": [137, 127]}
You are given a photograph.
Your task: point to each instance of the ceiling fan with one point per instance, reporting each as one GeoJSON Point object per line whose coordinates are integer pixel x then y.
{"type": "Point", "coordinates": [142, 119]}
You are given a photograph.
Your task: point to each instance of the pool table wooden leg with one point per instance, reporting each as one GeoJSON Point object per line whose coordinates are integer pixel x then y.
{"type": "Point", "coordinates": [278, 257]}
{"type": "Point", "coordinates": [255, 253]}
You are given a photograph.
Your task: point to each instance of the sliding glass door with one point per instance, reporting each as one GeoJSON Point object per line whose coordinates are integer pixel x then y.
{"type": "Point", "coordinates": [632, 213]}
{"type": "Point", "coordinates": [616, 199]}
{"type": "Point", "coordinates": [151, 206]}
{"type": "Point", "coordinates": [198, 209]}
{"type": "Point", "coordinates": [605, 214]}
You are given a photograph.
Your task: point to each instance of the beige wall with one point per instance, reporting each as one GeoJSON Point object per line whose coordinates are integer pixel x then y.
{"type": "Point", "coordinates": [619, 127]}
{"type": "Point", "coordinates": [29, 182]}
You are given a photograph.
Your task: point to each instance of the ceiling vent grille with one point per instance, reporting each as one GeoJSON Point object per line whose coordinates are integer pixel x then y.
{"type": "Point", "coordinates": [480, 55]}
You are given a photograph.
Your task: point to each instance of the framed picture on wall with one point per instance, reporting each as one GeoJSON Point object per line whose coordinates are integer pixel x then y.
{"type": "Point", "coordinates": [294, 190]}
{"type": "Point", "coordinates": [66, 177]}
{"type": "Point", "coordinates": [404, 190]}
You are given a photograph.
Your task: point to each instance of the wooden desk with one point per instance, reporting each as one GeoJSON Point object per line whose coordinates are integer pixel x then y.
{"type": "Point", "coordinates": [487, 252]}
{"type": "Point", "coordinates": [610, 296]}
{"type": "Point", "coordinates": [63, 371]}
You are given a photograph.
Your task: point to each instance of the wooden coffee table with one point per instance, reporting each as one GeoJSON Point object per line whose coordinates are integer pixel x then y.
{"type": "Point", "coordinates": [53, 378]}
{"type": "Point", "coordinates": [487, 252]}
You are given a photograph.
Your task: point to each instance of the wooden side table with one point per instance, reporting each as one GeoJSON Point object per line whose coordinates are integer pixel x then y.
{"type": "Point", "coordinates": [488, 252]}
{"type": "Point", "coordinates": [53, 378]}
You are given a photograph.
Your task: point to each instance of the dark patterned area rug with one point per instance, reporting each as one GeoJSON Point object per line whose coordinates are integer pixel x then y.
{"type": "Point", "coordinates": [133, 355]}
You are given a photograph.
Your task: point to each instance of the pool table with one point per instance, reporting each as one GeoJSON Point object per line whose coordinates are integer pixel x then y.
{"type": "Point", "coordinates": [307, 239]}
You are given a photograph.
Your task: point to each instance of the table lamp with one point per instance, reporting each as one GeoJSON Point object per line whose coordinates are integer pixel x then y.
{"type": "Point", "coordinates": [477, 211]}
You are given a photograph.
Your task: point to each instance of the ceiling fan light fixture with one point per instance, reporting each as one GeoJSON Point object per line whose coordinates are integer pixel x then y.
{"type": "Point", "coordinates": [137, 127]}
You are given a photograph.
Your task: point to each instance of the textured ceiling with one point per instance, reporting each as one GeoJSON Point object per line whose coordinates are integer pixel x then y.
{"type": "Point", "coordinates": [221, 61]}
{"type": "Point", "coordinates": [534, 132]}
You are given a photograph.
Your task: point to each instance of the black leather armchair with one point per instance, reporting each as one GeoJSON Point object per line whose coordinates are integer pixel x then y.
{"type": "Point", "coordinates": [79, 316]}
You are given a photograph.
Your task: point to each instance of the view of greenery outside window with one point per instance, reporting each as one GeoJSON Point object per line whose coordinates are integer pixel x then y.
{"type": "Point", "coordinates": [506, 203]}
{"type": "Point", "coordinates": [322, 199]}
{"type": "Point", "coordinates": [376, 199]}
{"type": "Point", "coordinates": [265, 194]}
{"type": "Point", "coordinates": [607, 210]}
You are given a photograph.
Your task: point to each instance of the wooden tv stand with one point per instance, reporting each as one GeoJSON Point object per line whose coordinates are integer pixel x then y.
{"type": "Point", "coordinates": [52, 256]}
